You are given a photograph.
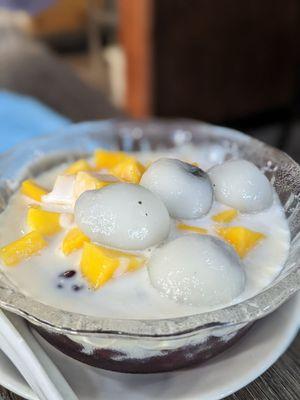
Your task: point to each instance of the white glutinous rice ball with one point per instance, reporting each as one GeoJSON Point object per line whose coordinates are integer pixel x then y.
{"type": "Point", "coordinates": [241, 185]}
{"type": "Point", "coordinates": [123, 215]}
{"type": "Point", "coordinates": [185, 189]}
{"type": "Point", "coordinates": [199, 270]}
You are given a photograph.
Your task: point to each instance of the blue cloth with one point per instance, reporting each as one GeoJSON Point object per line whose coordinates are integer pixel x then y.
{"type": "Point", "coordinates": [31, 6]}
{"type": "Point", "coordinates": [23, 117]}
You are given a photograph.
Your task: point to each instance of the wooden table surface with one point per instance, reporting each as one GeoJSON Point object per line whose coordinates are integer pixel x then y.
{"type": "Point", "coordinates": [27, 67]}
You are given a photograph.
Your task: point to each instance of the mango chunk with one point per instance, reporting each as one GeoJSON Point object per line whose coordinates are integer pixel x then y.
{"type": "Point", "coordinates": [31, 189]}
{"type": "Point", "coordinates": [225, 216]}
{"type": "Point", "coordinates": [73, 240]}
{"type": "Point", "coordinates": [77, 166]}
{"type": "Point", "coordinates": [96, 267]}
{"type": "Point", "coordinates": [120, 164]}
{"type": "Point", "coordinates": [129, 170]}
{"type": "Point", "coordinates": [85, 181]}
{"type": "Point", "coordinates": [108, 159]}
{"type": "Point", "coordinates": [98, 264]}
{"type": "Point", "coordinates": [242, 239]}
{"type": "Point", "coordinates": [45, 222]}
{"type": "Point", "coordinates": [133, 262]}
{"type": "Point", "coordinates": [23, 248]}
{"type": "Point", "coordinates": [191, 228]}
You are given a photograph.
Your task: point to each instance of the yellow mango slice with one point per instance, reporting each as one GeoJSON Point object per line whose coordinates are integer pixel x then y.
{"type": "Point", "coordinates": [77, 166]}
{"type": "Point", "coordinates": [85, 181]}
{"type": "Point", "coordinates": [45, 222]}
{"type": "Point", "coordinates": [31, 189]}
{"type": "Point", "coordinates": [97, 267]}
{"type": "Point", "coordinates": [98, 264]}
{"type": "Point", "coordinates": [23, 248]}
{"type": "Point", "coordinates": [73, 240]}
{"type": "Point", "coordinates": [242, 239]}
{"type": "Point", "coordinates": [133, 261]}
{"type": "Point", "coordinates": [129, 170]}
{"type": "Point", "coordinates": [108, 159]}
{"type": "Point", "coordinates": [191, 228]}
{"type": "Point", "coordinates": [225, 216]}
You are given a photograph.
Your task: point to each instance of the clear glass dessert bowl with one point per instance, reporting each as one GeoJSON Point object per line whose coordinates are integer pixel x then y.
{"type": "Point", "coordinates": [140, 345]}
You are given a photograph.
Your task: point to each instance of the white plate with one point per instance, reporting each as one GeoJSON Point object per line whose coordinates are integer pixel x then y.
{"type": "Point", "coordinates": [218, 378]}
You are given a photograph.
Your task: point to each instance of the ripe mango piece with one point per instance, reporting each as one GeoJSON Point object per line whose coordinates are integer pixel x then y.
{"type": "Point", "coordinates": [225, 216]}
{"type": "Point", "coordinates": [31, 189]}
{"type": "Point", "coordinates": [191, 228]}
{"type": "Point", "coordinates": [73, 240]}
{"type": "Point", "coordinates": [242, 239]}
{"type": "Point", "coordinates": [133, 261]}
{"type": "Point", "coordinates": [129, 170]}
{"type": "Point", "coordinates": [98, 264]}
{"type": "Point", "coordinates": [108, 159]}
{"type": "Point", "coordinates": [77, 166]}
{"type": "Point", "coordinates": [45, 222]}
{"type": "Point", "coordinates": [23, 248]}
{"type": "Point", "coordinates": [85, 181]}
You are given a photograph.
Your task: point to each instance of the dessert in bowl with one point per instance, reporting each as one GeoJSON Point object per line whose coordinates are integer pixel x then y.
{"type": "Point", "coordinates": [147, 246]}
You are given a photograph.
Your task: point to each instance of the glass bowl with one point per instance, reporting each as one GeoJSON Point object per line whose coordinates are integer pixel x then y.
{"type": "Point", "coordinates": [138, 345]}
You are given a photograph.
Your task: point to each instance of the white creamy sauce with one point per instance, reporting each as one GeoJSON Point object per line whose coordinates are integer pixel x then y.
{"type": "Point", "coordinates": [131, 295]}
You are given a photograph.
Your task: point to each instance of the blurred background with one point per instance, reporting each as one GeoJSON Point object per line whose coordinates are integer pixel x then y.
{"type": "Point", "coordinates": [229, 62]}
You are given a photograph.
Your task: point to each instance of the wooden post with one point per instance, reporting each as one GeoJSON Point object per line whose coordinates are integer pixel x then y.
{"type": "Point", "coordinates": [136, 38]}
